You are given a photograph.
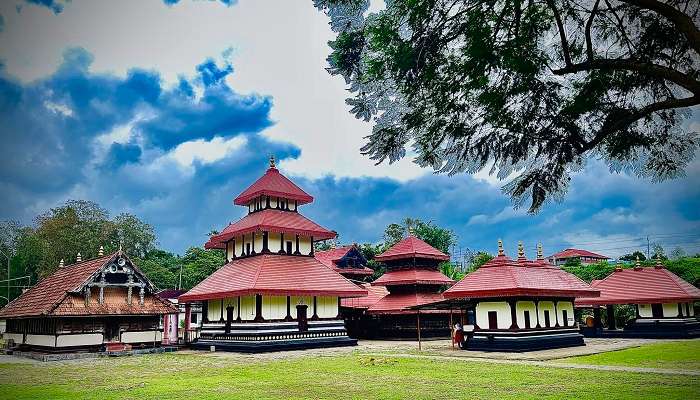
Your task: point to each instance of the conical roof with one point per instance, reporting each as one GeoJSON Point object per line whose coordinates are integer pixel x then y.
{"type": "Point", "coordinates": [273, 183]}
{"type": "Point", "coordinates": [411, 247]}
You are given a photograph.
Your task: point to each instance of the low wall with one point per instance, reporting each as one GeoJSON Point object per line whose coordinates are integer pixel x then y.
{"type": "Point", "coordinates": [142, 337]}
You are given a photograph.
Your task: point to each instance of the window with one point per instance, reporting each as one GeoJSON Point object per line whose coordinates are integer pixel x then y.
{"type": "Point", "coordinates": [193, 318]}
{"type": "Point", "coordinates": [493, 320]}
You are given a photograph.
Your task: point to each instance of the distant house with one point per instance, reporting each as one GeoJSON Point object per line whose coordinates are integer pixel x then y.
{"type": "Point", "coordinates": [103, 302]}
{"type": "Point", "coordinates": [585, 256]}
{"type": "Point", "coordinates": [173, 324]}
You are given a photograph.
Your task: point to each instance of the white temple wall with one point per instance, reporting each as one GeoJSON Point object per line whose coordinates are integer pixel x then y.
{"type": "Point", "coordinates": [502, 312]}
{"type": "Point", "coordinates": [259, 242]}
{"type": "Point", "coordinates": [569, 307]}
{"type": "Point", "coordinates": [83, 339]}
{"type": "Point", "coordinates": [304, 244]}
{"type": "Point", "coordinates": [547, 306]}
{"type": "Point", "coordinates": [273, 242]}
{"type": "Point", "coordinates": [308, 300]}
{"type": "Point", "coordinates": [41, 340]}
{"type": "Point", "coordinates": [645, 310]}
{"type": "Point", "coordinates": [229, 250]}
{"type": "Point", "coordinates": [327, 306]}
{"type": "Point", "coordinates": [520, 308]}
{"type": "Point", "coordinates": [273, 202]}
{"type": "Point", "coordinates": [142, 336]}
{"type": "Point", "coordinates": [670, 309]}
{"type": "Point", "coordinates": [17, 337]}
{"type": "Point", "coordinates": [214, 310]}
{"type": "Point", "coordinates": [248, 308]}
{"type": "Point", "coordinates": [692, 309]}
{"type": "Point", "coordinates": [274, 307]}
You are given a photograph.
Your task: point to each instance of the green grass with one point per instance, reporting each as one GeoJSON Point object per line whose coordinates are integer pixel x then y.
{"type": "Point", "coordinates": [673, 355]}
{"type": "Point", "coordinates": [208, 376]}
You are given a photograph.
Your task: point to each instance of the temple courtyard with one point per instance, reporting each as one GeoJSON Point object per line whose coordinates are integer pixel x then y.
{"type": "Point", "coordinates": [605, 369]}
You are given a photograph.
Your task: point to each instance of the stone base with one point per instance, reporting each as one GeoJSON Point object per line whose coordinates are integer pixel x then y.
{"type": "Point", "coordinates": [272, 336]}
{"type": "Point", "coordinates": [648, 328]}
{"type": "Point", "coordinates": [520, 341]}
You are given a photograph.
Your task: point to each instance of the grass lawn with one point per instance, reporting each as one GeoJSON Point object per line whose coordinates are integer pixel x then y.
{"type": "Point", "coordinates": [682, 354]}
{"type": "Point", "coordinates": [209, 376]}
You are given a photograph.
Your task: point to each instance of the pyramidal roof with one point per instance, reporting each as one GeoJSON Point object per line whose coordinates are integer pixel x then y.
{"type": "Point", "coordinates": [411, 247]}
{"type": "Point", "coordinates": [641, 285]}
{"type": "Point", "coordinates": [273, 183]}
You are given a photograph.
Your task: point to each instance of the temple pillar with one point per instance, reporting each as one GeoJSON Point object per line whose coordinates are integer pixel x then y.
{"type": "Point", "coordinates": [296, 246]}
{"type": "Point", "coordinates": [556, 314]}
{"type": "Point", "coordinates": [258, 308]}
{"type": "Point", "coordinates": [205, 311]}
{"type": "Point", "coordinates": [513, 315]}
{"type": "Point", "coordinates": [611, 316]}
{"type": "Point", "coordinates": [537, 313]}
{"type": "Point", "coordinates": [289, 309]}
{"type": "Point", "coordinates": [166, 329]}
{"type": "Point", "coordinates": [188, 319]}
{"type": "Point", "coordinates": [596, 318]}
{"type": "Point", "coordinates": [315, 315]}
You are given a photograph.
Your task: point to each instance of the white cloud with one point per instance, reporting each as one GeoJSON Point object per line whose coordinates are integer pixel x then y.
{"type": "Point", "coordinates": [505, 214]}
{"type": "Point", "coordinates": [206, 151]}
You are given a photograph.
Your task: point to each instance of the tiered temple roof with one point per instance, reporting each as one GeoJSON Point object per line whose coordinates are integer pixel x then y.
{"type": "Point", "coordinates": [265, 271]}
{"type": "Point", "coordinates": [504, 277]}
{"type": "Point", "coordinates": [641, 285]}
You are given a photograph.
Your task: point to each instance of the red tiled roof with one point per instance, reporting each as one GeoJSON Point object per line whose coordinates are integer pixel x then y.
{"type": "Point", "coordinates": [329, 257]}
{"type": "Point", "coordinates": [273, 221]}
{"type": "Point", "coordinates": [413, 276]}
{"type": "Point", "coordinates": [502, 277]}
{"type": "Point", "coordinates": [641, 286]}
{"type": "Point", "coordinates": [374, 294]}
{"type": "Point", "coordinates": [273, 274]}
{"type": "Point", "coordinates": [399, 303]}
{"type": "Point", "coordinates": [273, 183]}
{"type": "Point", "coordinates": [411, 247]}
{"type": "Point", "coordinates": [570, 253]}
{"type": "Point", "coordinates": [52, 295]}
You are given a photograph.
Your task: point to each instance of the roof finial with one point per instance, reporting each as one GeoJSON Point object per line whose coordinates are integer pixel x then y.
{"type": "Point", "coordinates": [61, 265]}
{"type": "Point", "coordinates": [101, 252]}
{"type": "Point", "coordinates": [540, 254]}
{"type": "Point", "coordinates": [120, 245]}
{"type": "Point", "coordinates": [521, 250]}
{"type": "Point", "coordinates": [272, 161]}
{"type": "Point", "coordinates": [79, 258]}
{"type": "Point", "coordinates": [658, 261]}
{"type": "Point", "coordinates": [500, 248]}
{"type": "Point", "coordinates": [637, 264]}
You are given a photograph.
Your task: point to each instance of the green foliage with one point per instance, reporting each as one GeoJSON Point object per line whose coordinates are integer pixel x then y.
{"type": "Point", "coordinates": [531, 89]}
{"type": "Point", "coordinates": [573, 262]}
{"type": "Point", "coordinates": [633, 256]}
{"type": "Point", "coordinates": [451, 271]}
{"type": "Point", "coordinates": [440, 238]}
{"type": "Point", "coordinates": [198, 264]}
{"type": "Point", "coordinates": [479, 259]}
{"type": "Point", "coordinates": [687, 268]}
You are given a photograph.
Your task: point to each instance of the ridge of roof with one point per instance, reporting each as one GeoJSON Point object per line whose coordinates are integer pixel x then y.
{"type": "Point", "coordinates": [273, 183]}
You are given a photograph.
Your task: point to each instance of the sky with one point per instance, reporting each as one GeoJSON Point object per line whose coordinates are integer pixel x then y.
{"type": "Point", "coordinates": [168, 109]}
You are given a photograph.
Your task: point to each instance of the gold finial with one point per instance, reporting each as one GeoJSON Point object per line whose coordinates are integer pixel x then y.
{"type": "Point", "coordinates": [500, 248]}
{"type": "Point", "coordinates": [658, 261]}
{"type": "Point", "coordinates": [79, 258]}
{"type": "Point", "coordinates": [272, 161]}
{"type": "Point", "coordinates": [637, 264]}
{"type": "Point", "coordinates": [521, 250]}
{"type": "Point", "coordinates": [101, 252]}
{"type": "Point", "coordinates": [60, 265]}
{"type": "Point", "coordinates": [540, 254]}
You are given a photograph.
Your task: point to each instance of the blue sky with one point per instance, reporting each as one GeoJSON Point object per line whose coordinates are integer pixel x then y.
{"type": "Point", "coordinates": [169, 109]}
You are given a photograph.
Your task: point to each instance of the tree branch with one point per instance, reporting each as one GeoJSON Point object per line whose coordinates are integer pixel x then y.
{"type": "Point", "coordinates": [562, 33]}
{"type": "Point", "coordinates": [683, 22]}
{"type": "Point", "coordinates": [655, 70]}
{"type": "Point", "coordinates": [589, 23]}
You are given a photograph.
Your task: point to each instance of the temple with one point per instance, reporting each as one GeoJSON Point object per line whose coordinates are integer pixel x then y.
{"type": "Point", "coordinates": [272, 294]}
{"type": "Point", "coordinates": [412, 279]}
{"type": "Point", "coordinates": [663, 304]}
{"type": "Point", "coordinates": [347, 261]}
{"type": "Point", "coordinates": [105, 303]}
{"type": "Point", "coordinates": [520, 305]}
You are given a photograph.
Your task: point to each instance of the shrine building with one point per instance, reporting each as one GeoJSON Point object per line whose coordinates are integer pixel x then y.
{"type": "Point", "coordinates": [663, 304]}
{"type": "Point", "coordinates": [412, 279]}
{"type": "Point", "coordinates": [103, 303]}
{"type": "Point", "coordinates": [272, 294]}
{"type": "Point", "coordinates": [347, 261]}
{"type": "Point", "coordinates": [520, 305]}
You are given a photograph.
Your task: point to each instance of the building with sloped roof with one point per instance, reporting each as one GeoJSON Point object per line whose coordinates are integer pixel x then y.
{"type": "Point", "coordinates": [272, 294]}
{"type": "Point", "coordinates": [106, 301]}
{"type": "Point", "coordinates": [346, 260]}
{"type": "Point", "coordinates": [662, 300]}
{"type": "Point", "coordinates": [584, 256]}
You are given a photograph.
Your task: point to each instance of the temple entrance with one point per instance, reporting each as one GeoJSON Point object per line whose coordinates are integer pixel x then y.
{"type": "Point", "coordinates": [493, 320]}
{"type": "Point", "coordinates": [526, 314]}
{"type": "Point", "coordinates": [657, 311]}
{"type": "Point", "coordinates": [302, 317]}
{"type": "Point", "coordinates": [111, 330]}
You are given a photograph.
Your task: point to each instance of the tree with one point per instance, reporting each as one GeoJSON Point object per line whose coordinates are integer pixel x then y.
{"type": "Point", "coordinates": [532, 89]}
{"type": "Point", "coordinates": [634, 256]}
{"type": "Point", "coordinates": [677, 253]}
{"type": "Point", "coordinates": [479, 259]}
{"type": "Point", "coordinates": [198, 264]}
{"type": "Point", "coordinates": [440, 238]}
{"type": "Point", "coordinates": [659, 252]}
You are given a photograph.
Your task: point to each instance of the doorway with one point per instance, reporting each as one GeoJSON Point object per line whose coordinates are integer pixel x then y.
{"type": "Point", "coordinates": [657, 311]}
{"type": "Point", "coordinates": [493, 320]}
{"type": "Point", "coordinates": [302, 318]}
{"type": "Point", "coordinates": [546, 318]}
{"type": "Point", "coordinates": [111, 330]}
{"type": "Point", "coordinates": [526, 314]}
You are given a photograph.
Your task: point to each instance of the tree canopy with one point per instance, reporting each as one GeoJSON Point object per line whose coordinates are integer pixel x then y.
{"type": "Point", "coordinates": [527, 90]}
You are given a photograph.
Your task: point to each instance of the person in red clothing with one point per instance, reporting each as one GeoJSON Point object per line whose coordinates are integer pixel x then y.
{"type": "Point", "coordinates": [458, 336]}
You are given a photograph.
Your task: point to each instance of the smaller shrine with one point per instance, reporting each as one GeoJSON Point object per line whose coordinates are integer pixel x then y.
{"type": "Point", "coordinates": [519, 305]}
{"type": "Point", "coordinates": [663, 304]}
{"type": "Point", "coordinates": [412, 279]}
{"type": "Point", "coordinates": [103, 303]}
{"type": "Point", "coordinates": [346, 260]}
